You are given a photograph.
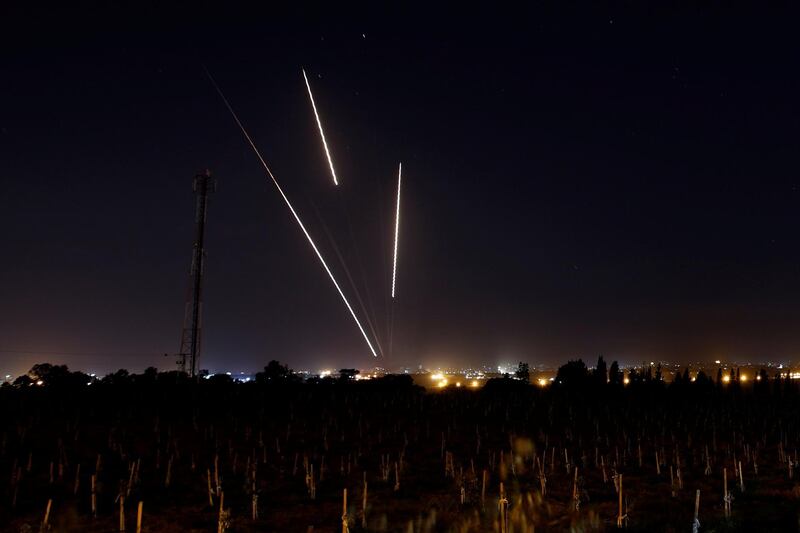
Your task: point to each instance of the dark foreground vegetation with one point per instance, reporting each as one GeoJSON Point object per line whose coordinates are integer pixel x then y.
{"type": "Point", "coordinates": [277, 455]}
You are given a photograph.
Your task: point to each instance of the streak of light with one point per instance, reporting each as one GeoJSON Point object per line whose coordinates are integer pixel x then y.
{"type": "Point", "coordinates": [291, 208]}
{"type": "Point", "coordinates": [396, 226]}
{"type": "Point", "coordinates": [350, 279]}
{"type": "Point", "coordinates": [321, 133]}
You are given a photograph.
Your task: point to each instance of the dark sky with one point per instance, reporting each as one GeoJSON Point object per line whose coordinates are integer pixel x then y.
{"type": "Point", "coordinates": [576, 181]}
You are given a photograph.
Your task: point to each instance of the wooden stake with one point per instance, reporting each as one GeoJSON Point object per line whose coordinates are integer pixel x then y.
{"type": "Point", "coordinates": [364, 504]}
{"type": "Point", "coordinates": [483, 490]}
{"type": "Point", "coordinates": [121, 512]}
{"type": "Point", "coordinates": [94, 496]}
{"type": "Point", "coordinates": [741, 479]}
{"type": "Point", "coordinates": [671, 482]}
{"type": "Point", "coordinates": [726, 498]}
{"type": "Point", "coordinates": [45, 522]}
{"type": "Point", "coordinates": [603, 466]}
{"type": "Point", "coordinates": [345, 529]}
{"type": "Point", "coordinates": [77, 479]}
{"type": "Point", "coordinates": [169, 472]}
{"type": "Point", "coordinates": [139, 518]}
{"type": "Point", "coordinates": [503, 506]}
{"type": "Point", "coordinates": [696, 523]}
{"type": "Point", "coordinates": [221, 515]}
{"type": "Point", "coordinates": [216, 475]}
{"type": "Point", "coordinates": [575, 499]}
{"type": "Point", "coordinates": [210, 490]}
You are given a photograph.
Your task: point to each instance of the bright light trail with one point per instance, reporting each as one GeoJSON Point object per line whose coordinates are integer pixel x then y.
{"type": "Point", "coordinates": [321, 133]}
{"type": "Point", "coordinates": [294, 213]}
{"type": "Point", "coordinates": [396, 226]}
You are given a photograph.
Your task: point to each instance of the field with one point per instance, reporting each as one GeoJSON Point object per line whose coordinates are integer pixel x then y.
{"type": "Point", "coordinates": [278, 456]}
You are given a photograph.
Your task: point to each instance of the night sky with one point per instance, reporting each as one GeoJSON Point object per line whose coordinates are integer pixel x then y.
{"type": "Point", "coordinates": [576, 182]}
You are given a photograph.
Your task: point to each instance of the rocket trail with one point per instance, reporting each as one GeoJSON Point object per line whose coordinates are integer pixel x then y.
{"type": "Point", "coordinates": [294, 213]}
{"type": "Point", "coordinates": [321, 133]}
{"type": "Point", "coordinates": [396, 226]}
{"type": "Point", "coordinates": [351, 280]}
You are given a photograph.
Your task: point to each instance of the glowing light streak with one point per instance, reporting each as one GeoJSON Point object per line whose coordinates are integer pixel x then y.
{"type": "Point", "coordinates": [396, 227]}
{"type": "Point", "coordinates": [321, 133]}
{"type": "Point", "coordinates": [291, 208]}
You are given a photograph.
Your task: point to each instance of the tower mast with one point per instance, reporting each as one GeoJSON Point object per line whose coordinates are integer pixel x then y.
{"type": "Point", "coordinates": [192, 318]}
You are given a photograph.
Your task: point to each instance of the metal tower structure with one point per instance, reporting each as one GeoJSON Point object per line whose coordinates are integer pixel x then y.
{"type": "Point", "coordinates": [192, 318]}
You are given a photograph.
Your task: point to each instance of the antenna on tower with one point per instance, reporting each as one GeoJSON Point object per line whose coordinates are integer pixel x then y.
{"type": "Point", "coordinates": [192, 318]}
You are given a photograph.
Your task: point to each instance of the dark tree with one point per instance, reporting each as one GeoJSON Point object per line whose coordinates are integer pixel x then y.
{"type": "Point", "coordinates": [574, 373]}
{"type": "Point", "coordinates": [523, 372]}
{"type": "Point", "coordinates": [50, 374]}
{"type": "Point", "coordinates": [120, 377]}
{"type": "Point", "coordinates": [23, 381]}
{"type": "Point", "coordinates": [274, 371]}
{"type": "Point", "coordinates": [220, 380]}
{"type": "Point", "coordinates": [148, 377]}
{"type": "Point", "coordinates": [172, 378]}
{"type": "Point", "coordinates": [600, 373]}
{"type": "Point", "coordinates": [615, 377]}
{"type": "Point", "coordinates": [347, 374]}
